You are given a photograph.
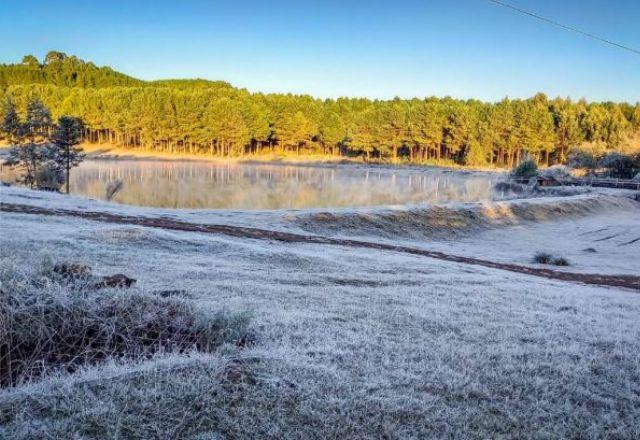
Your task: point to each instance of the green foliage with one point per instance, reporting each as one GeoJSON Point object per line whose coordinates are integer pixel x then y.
{"type": "Point", "coordinates": [619, 165]}
{"type": "Point", "coordinates": [27, 158]}
{"type": "Point", "coordinates": [49, 176]}
{"type": "Point", "coordinates": [40, 149]}
{"type": "Point", "coordinates": [610, 164]}
{"type": "Point", "coordinates": [214, 118]}
{"type": "Point", "coordinates": [582, 160]}
{"type": "Point", "coordinates": [525, 170]}
{"type": "Point", "coordinates": [63, 151]}
{"type": "Point", "coordinates": [62, 70]}
{"type": "Point", "coordinates": [11, 125]}
{"type": "Point", "coordinates": [31, 61]}
{"type": "Point", "coordinates": [38, 119]}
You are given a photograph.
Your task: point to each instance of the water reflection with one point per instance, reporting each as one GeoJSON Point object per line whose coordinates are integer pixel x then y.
{"type": "Point", "coordinates": [247, 186]}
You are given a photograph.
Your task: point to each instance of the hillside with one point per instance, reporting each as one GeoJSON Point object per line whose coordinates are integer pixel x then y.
{"type": "Point", "coordinates": [60, 69]}
{"type": "Point", "coordinates": [216, 119]}
{"type": "Point", "coordinates": [320, 340]}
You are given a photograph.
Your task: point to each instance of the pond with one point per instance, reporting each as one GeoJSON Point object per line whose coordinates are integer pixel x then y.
{"type": "Point", "coordinates": [218, 185]}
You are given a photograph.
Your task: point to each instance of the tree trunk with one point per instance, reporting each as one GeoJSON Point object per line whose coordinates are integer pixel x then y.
{"type": "Point", "coordinates": [68, 169]}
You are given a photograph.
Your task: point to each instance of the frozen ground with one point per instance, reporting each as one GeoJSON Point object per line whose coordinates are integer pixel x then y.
{"type": "Point", "coordinates": [607, 243]}
{"type": "Point", "coordinates": [355, 343]}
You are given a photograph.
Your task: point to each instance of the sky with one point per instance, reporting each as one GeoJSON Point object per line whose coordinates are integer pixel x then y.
{"type": "Point", "coordinates": [357, 48]}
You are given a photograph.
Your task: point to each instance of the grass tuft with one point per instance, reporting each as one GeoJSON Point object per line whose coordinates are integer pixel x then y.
{"type": "Point", "coordinates": [52, 324]}
{"type": "Point", "coordinates": [560, 261]}
{"type": "Point", "coordinates": [542, 258]}
{"type": "Point", "coordinates": [546, 258]}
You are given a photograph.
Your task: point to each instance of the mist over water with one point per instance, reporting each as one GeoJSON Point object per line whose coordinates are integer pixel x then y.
{"type": "Point", "coordinates": [175, 184]}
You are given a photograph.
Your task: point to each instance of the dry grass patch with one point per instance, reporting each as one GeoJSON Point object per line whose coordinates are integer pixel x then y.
{"type": "Point", "coordinates": [48, 323]}
{"type": "Point", "coordinates": [546, 258]}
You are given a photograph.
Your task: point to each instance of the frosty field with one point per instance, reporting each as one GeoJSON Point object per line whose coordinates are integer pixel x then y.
{"type": "Point", "coordinates": [349, 342]}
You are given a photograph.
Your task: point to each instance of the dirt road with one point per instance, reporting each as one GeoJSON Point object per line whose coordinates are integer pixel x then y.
{"type": "Point", "coordinates": [624, 281]}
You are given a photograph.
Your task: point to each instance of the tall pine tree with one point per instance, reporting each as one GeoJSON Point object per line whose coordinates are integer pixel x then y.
{"type": "Point", "coordinates": [63, 149]}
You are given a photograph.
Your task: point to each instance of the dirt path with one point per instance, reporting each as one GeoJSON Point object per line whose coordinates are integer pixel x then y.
{"type": "Point", "coordinates": [625, 281]}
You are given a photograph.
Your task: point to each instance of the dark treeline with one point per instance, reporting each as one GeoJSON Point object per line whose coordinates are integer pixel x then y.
{"type": "Point", "coordinates": [214, 118]}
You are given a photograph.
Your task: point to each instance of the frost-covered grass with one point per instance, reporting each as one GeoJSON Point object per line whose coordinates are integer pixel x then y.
{"type": "Point", "coordinates": [49, 323]}
{"type": "Point", "coordinates": [172, 397]}
{"type": "Point", "coordinates": [606, 242]}
{"type": "Point", "coordinates": [350, 343]}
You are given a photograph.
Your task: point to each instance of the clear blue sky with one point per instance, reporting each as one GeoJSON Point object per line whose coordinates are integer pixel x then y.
{"type": "Point", "coordinates": [378, 49]}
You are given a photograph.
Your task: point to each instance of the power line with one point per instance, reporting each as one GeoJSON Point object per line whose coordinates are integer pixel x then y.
{"type": "Point", "coordinates": [565, 27]}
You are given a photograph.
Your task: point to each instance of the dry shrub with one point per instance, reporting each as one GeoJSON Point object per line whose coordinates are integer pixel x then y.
{"type": "Point", "coordinates": [556, 172]}
{"type": "Point", "coordinates": [620, 165]}
{"type": "Point", "coordinates": [560, 261]}
{"type": "Point", "coordinates": [49, 324]}
{"type": "Point", "coordinates": [546, 258]}
{"type": "Point", "coordinates": [542, 258]}
{"type": "Point", "coordinates": [583, 159]}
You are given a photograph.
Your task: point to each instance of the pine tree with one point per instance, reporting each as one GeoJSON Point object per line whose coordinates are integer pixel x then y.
{"type": "Point", "coordinates": [11, 125]}
{"type": "Point", "coordinates": [38, 120]}
{"type": "Point", "coordinates": [31, 61]}
{"type": "Point", "coordinates": [212, 117]}
{"type": "Point", "coordinates": [63, 150]}
{"type": "Point", "coordinates": [26, 156]}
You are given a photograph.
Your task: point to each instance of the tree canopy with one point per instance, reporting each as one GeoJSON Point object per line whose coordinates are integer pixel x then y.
{"type": "Point", "coordinates": [214, 118]}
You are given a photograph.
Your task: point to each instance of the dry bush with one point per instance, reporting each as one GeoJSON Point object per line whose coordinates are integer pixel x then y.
{"type": "Point", "coordinates": [556, 172]}
{"type": "Point", "coordinates": [542, 258]}
{"type": "Point", "coordinates": [546, 258]}
{"type": "Point", "coordinates": [48, 323]}
{"type": "Point", "coordinates": [583, 160]}
{"type": "Point", "coordinates": [560, 261]}
{"type": "Point", "coordinates": [619, 165]}
{"type": "Point", "coordinates": [623, 162]}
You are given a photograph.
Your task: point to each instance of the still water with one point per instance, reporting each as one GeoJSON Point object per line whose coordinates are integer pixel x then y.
{"type": "Point", "coordinates": [174, 184]}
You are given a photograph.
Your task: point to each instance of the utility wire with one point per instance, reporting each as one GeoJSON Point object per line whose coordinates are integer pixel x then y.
{"type": "Point", "coordinates": [563, 26]}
